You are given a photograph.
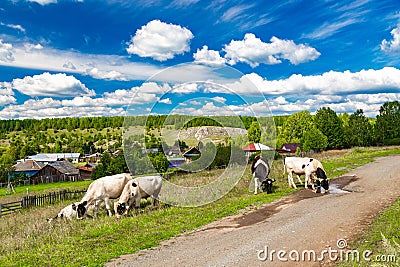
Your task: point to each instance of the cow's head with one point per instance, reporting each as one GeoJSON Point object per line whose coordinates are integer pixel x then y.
{"type": "Point", "coordinates": [80, 209]}
{"type": "Point", "coordinates": [123, 207]}
{"type": "Point", "coordinates": [266, 185]}
{"type": "Point", "coordinates": [321, 175]}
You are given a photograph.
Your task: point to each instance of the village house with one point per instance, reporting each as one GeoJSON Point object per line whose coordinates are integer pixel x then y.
{"type": "Point", "coordinates": [45, 172]}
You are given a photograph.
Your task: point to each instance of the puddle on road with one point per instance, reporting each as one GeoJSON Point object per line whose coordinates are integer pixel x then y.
{"type": "Point", "coordinates": [336, 189]}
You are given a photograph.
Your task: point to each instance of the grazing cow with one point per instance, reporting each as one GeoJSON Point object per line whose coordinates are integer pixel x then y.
{"type": "Point", "coordinates": [135, 190]}
{"type": "Point", "coordinates": [67, 213]}
{"type": "Point", "coordinates": [260, 170]}
{"type": "Point", "coordinates": [102, 189]}
{"type": "Point", "coordinates": [300, 166]}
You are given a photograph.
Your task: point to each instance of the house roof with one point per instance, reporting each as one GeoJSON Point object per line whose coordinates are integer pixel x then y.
{"type": "Point", "coordinates": [64, 166]}
{"type": "Point", "coordinates": [192, 152]}
{"type": "Point", "coordinates": [28, 165]}
{"type": "Point", "coordinates": [51, 157]}
{"type": "Point", "coordinates": [290, 147]}
{"type": "Point", "coordinates": [257, 147]}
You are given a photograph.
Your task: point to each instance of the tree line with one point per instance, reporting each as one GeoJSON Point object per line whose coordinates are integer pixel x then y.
{"type": "Point", "coordinates": [328, 130]}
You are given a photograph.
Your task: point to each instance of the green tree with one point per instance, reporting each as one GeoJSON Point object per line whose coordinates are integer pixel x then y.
{"type": "Point", "coordinates": [294, 128]}
{"type": "Point", "coordinates": [359, 131]}
{"type": "Point", "coordinates": [160, 162]}
{"type": "Point", "coordinates": [254, 132]}
{"type": "Point", "coordinates": [387, 127]}
{"type": "Point", "coordinates": [327, 121]}
{"type": "Point", "coordinates": [315, 140]}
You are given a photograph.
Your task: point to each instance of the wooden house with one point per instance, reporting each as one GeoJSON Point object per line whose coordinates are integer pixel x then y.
{"type": "Point", "coordinates": [86, 170]}
{"type": "Point", "coordinates": [191, 153]}
{"type": "Point", "coordinates": [58, 171]}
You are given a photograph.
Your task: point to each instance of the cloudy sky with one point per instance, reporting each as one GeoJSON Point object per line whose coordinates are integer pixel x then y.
{"type": "Point", "coordinates": [63, 58]}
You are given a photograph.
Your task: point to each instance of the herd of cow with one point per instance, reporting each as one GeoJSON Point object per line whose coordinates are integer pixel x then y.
{"type": "Point", "coordinates": [129, 191]}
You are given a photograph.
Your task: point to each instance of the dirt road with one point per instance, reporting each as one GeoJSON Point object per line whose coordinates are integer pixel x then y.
{"type": "Point", "coordinates": [302, 221]}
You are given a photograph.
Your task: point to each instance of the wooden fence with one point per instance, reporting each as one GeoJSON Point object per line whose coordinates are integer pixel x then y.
{"type": "Point", "coordinates": [40, 200]}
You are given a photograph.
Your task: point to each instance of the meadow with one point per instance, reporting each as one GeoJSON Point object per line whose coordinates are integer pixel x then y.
{"type": "Point", "coordinates": [27, 239]}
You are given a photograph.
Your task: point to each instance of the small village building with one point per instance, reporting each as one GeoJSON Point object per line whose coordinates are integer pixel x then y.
{"type": "Point", "coordinates": [191, 153]}
{"type": "Point", "coordinates": [92, 158]}
{"type": "Point", "coordinates": [290, 148]}
{"type": "Point", "coordinates": [35, 172]}
{"type": "Point", "coordinates": [26, 168]}
{"type": "Point", "coordinates": [86, 170]}
{"type": "Point", "coordinates": [58, 171]}
{"type": "Point", "coordinates": [53, 157]}
{"type": "Point", "coordinates": [256, 148]}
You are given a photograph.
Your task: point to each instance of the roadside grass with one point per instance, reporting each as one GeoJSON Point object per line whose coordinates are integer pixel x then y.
{"type": "Point", "coordinates": [382, 238]}
{"type": "Point", "coordinates": [27, 239]}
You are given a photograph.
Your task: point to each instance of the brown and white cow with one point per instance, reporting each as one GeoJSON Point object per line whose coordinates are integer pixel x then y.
{"type": "Point", "coordinates": [102, 190]}
{"type": "Point", "coordinates": [135, 190]}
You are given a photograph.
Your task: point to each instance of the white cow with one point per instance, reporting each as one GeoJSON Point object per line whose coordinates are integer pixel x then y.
{"type": "Point", "coordinates": [102, 190]}
{"type": "Point", "coordinates": [135, 190]}
{"type": "Point", "coordinates": [66, 213]}
{"type": "Point", "coordinates": [300, 166]}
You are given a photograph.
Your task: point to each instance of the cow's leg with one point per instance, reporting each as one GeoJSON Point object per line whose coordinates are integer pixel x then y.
{"type": "Point", "coordinates": [96, 208]}
{"type": "Point", "coordinates": [256, 184]}
{"type": "Point", "coordinates": [299, 179]}
{"type": "Point", "coordinates": [137, 205]}
{"type": "Point", "coordinates": [107, 202]}
{"type": "Point", "coordinates": [154, 201]}
{"type": "Point", "coordinates": [290, 180]}
{"type": "Point", "coordinates": [308, 181]}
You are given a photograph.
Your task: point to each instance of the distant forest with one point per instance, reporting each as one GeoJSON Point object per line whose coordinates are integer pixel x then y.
{"type": "Point", "coordinates": [151, 121]}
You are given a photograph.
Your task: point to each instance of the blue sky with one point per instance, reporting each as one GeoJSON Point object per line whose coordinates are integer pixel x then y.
{"type": "Point", "coordinates": [63, 58]}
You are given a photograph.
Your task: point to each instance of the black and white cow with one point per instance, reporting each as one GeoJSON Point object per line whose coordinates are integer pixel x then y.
{"type": "Point", "coordinates": [260, 170]}
{"type": "Point", "coordinates": [66, 213]}
{"type": "Point", "coordinates": [102, 190]}
{"type": "Point", "coordinates": [309, 167]}
{"type": "Point", "coordinates": [135, 190]}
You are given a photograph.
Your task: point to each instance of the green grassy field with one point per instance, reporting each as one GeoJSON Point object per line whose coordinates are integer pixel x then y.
{"type": "Point", "coordinates": [28, 240]}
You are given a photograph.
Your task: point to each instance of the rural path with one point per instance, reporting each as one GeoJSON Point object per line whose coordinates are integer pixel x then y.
{"type": "Point", "coordinates": [301, 221]}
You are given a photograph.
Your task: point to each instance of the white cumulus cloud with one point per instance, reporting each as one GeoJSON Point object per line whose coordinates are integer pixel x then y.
{"type": "Point", "coordinates": [160, 40]}
{"type": "Point", "coordinates": [394, 44]}
{"type": "Point", "coordinates": [328, 83]}
{"type": "Point", "coordinates": [104, 75]}
{"type": "Point", "coordinates": [254, 51]}
{"type": "Point", "coordinates": [46, 84]}
{"type": "Point", "coordinates": [43, 2]}
{"type": "Point", "coordinates": [6, 52]}
{"type": "Point", "coordinates": [209, 57]}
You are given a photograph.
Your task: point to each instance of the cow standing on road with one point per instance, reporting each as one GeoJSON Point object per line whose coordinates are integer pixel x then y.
{"type": "Point", "coordinates": [309, 167]}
